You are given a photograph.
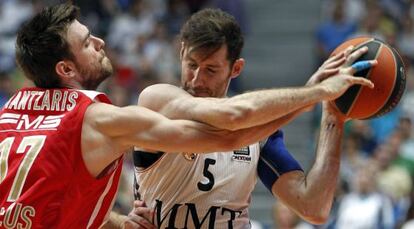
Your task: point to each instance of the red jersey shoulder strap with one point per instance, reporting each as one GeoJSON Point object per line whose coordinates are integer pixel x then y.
{"type": "Point", "coordinates": [96, 96]}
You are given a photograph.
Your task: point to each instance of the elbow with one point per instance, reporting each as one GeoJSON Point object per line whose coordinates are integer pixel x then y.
{"type": "Point", "coordinates": [316, 217]}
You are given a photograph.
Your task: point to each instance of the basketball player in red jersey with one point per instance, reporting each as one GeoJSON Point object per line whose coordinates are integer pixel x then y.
{"type": "Point", "coordinates": [61, 144]}
{"type": "Point", "coordinates": [214, 190]}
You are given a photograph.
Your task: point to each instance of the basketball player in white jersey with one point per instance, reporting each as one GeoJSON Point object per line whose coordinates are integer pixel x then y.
{"type": "Point", "coordinates": [190, 190]}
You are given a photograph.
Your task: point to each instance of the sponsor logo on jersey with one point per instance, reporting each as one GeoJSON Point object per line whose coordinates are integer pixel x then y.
{"type": "Point", "coordinates": [17, 215]}
{"type": "Point", "coordinates": [194, 218]}
{"type": "Point", "coordinates": [243, 151]}
{"type": "Point", "coordinates": [26, 122]}
{"type": "Point", "coordinates": [242, 154]}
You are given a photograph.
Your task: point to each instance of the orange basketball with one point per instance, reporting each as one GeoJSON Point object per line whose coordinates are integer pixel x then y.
{"type": "Point", "coordinates": [388, 76]}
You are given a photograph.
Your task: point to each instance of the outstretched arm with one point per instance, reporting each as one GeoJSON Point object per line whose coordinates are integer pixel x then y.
{"type": "Point", "coordinates": [311, 195]}
{"type": "Point", "coordinates": [258, 107]}
{"type": "Point", "coordinates": [108, 131]}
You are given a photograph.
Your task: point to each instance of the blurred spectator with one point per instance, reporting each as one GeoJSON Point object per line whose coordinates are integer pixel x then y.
{"type": "Point", "coordinates": [352, 157]}
{"type": "Point", "coordinates": [333, 32]}
{"type": "Point", "coordinates": [196, 5]}
{"type": "Point", "coordinates": [125, 29]}
{"type": "Point", "coordinates": [396, 9]}
{"type": "Point", "coordinates": [354, 10]}
{"type": "Point", "coordinates": [377, 24]}
{"type": "Point", "coordinates": [406, 156]}
{"type": "Point", "coordinates": [6, 88]}
{"type": "Point", "coordinates": [98, 14]}
{"type": "Point", "coordinates": [407, 101]}
{"type": "Point", "coordinates": [362, 130]}
{"type": "Point", "coordinates": [162, 55]}
{"type": "Point", "coordinates": [342, 188]}
{"type": "Point", "coordinates": [237, 8]}
{"type": "Point", "coordinates": [393, 179]}
{"type": "Point", "coordinates": [12, 14]}
{"type": "Point", "coordinates": [118, 95]}
{"type": "Point", "coordinates": [384, 126]}
{"type": "Point", "coordinates": [406, 39]}
{"type": "Point", "coordinates": [409, 224]}
{"type": "Point", "coordinates": [175, 15]}
{"type": "Point", "coordinates": [365, 206]}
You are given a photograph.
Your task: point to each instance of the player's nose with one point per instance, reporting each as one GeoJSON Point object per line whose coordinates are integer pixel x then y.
{"type": "Point", "coordinates": [198, 79]}
{"type": "Point", "coordinates": [99, 43]}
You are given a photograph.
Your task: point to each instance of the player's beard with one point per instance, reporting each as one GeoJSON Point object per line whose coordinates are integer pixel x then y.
{"type": "Point", "coordinates": [94, 75]}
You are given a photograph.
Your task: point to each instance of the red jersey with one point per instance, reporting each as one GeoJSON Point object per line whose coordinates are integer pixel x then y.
{"type": "Point", "coordinates": [44, 182]}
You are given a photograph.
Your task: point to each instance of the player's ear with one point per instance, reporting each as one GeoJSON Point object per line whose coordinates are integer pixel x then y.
{"type": "Point", "coordinates": [65, 69]}
{"type": "Point", "coordinates": [237, 68]}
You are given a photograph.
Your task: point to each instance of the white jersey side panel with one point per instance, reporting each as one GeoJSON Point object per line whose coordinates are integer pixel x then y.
{"type": "Point", "coordinates": [209, 191]}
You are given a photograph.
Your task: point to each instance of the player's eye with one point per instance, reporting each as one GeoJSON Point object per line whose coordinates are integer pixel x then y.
{"type": "Point", "coordinates": [212, 71]}
{"type": "Point", "coordinates": [192, 66]}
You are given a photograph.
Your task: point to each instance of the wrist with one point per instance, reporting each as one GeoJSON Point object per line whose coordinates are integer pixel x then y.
{"type": "Point", "coordinates": [332, 113]}
{"type": "Point", "coordinates": [321, 92]}
{"type": "Point", "coordinates": [332, 120]}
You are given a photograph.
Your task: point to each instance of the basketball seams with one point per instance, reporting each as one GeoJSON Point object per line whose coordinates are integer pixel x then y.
{"type": "Point", "coordinates": [364, 43]}
{"type": "Point", "coordinates": [367, 76]}
{"type": "Point", "coordinates": [379, 111]}
{"type": "Point", "coordinates": [399, 85]}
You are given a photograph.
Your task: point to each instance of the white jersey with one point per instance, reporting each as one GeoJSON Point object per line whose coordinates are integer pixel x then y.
{"type": "Point", "coordinates": [200, 190]}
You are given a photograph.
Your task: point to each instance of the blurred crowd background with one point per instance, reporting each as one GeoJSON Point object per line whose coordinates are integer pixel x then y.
{"type": "Point", "coordinates": [377, 166]}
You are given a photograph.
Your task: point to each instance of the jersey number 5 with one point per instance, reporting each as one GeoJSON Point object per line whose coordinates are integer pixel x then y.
{"type": "Point", "coordinates": [35, 144]}
{"type": "Point", "coordinates": [208, 174]}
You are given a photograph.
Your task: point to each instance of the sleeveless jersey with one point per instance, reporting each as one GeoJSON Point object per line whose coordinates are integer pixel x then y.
{"type": "Point", "coordinates": [199, 190]}
{"type": "Point", "coordinates": [44, 182]}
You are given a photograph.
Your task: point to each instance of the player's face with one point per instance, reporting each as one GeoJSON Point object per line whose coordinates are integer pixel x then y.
{"type": "Point", "coordinates": [207, 75]}
{"type": "Point", "coordinates": [92, 65]}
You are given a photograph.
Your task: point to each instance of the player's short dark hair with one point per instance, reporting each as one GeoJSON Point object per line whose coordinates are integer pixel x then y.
{"type": "Point", "coordinates": [41, 43]}
{"type": "Point", "coordinates": [211, 28]}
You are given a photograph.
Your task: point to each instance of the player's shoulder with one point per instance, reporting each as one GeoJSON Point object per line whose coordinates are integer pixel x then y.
{"type": "Point", "coordinates": [160, 86]}
{"type": "Point", "coordinates": [98, 112]}
{"type": "Point", "coordinates": [160, 90]}
{"type": "Point", "coordinates": [156, 96]}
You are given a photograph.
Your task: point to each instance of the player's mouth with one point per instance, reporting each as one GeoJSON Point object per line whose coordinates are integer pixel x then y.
{"type": "Point", "coordinates": [200, 93]}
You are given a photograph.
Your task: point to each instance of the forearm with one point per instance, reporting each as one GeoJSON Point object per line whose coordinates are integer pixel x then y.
{"type": "Point", "coordinates": [311, 196]}
{"type": "Point", "coordinates": [140, 127]}
{"type": "Point", "coordinates": [239, 112]}
{"type": "Point", "coordinates": [321, 181]}
{"type": "Point", "coordinates": [255, 108]}
{"type": "Point", "coordinates": [257, 133]}
{"type": "Point", "coordinates": [207, 139]}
